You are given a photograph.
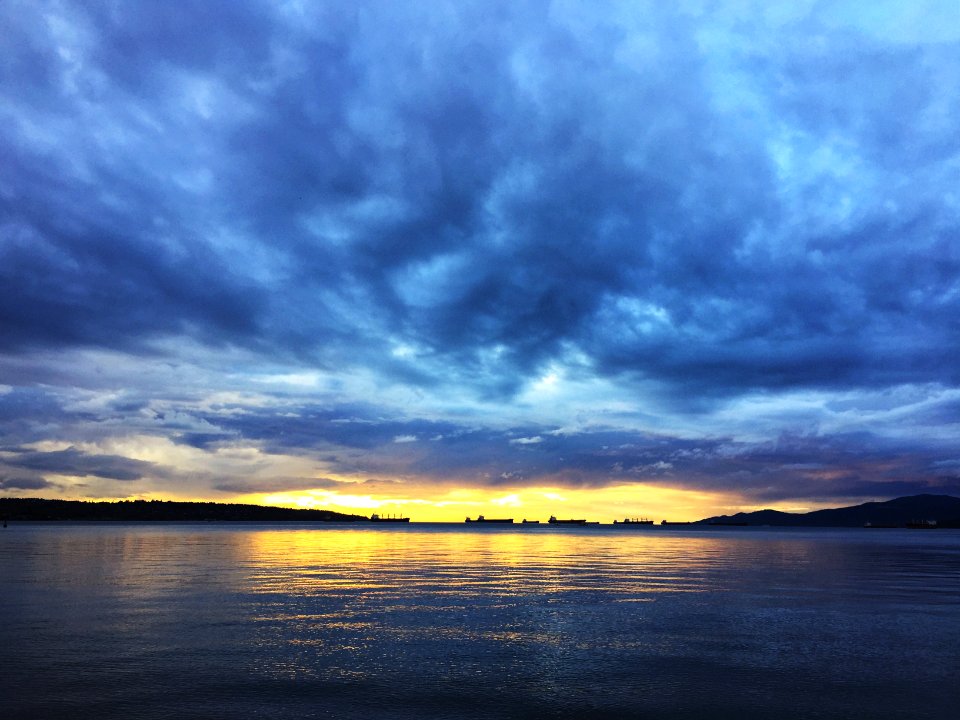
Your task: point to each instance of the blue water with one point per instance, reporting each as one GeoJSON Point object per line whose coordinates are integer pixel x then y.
{"type": "Point", "coordinates": [280, 621]}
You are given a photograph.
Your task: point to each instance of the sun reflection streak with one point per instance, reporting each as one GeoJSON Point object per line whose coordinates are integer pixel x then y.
{"type": "Point", "coordinates": [347, 593]}
{"type": "Point", "coordinates": [509, 563]}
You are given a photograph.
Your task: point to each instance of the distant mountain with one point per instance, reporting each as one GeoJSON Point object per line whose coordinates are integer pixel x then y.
{"type": "Point", "coordinates": [944, 509]}
{"type": "Point", "coordinates": [39, 509]}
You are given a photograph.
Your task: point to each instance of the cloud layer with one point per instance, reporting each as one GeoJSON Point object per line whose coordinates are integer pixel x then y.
{"type": "Point", "coordinates": [637, 221]}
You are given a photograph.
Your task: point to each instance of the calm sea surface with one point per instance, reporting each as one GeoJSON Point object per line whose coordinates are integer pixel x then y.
{"type": "Point", "coordinates": [431, 621]}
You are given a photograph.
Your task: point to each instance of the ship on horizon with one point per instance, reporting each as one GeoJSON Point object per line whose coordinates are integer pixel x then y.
{"type": "Point", "coordinates": [633, 521]}
{"type": "Point", "coordinates": [482, 519]}
{"type": "Point", "coordinates": [553, 521]}
{"type": "Point", "coordinates": [388, 518]}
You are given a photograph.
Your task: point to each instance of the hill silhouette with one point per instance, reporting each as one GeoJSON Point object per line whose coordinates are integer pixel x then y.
{"type": "Point", "coordinates": [40, 509]}
{"type": "Point", "coordinates": [944, 509]}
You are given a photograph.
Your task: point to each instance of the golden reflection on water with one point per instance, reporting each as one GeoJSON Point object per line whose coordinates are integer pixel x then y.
{"type": "Point", "coordinates": [360, 620]}
{"type": "Point", "coordinates": [353, 598]}
{"type": "Point", "coordinates": [627, 564]}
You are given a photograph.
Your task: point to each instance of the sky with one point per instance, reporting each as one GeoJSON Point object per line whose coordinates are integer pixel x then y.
{"type": "Point", "coordinates": [504, 258]}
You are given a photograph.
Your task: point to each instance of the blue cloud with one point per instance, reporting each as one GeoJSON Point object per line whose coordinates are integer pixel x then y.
{"type": "Point", "coordinates": [24, 483]}
{"type": "Point", "coordinates": [75, 462]}
{"type": "Point", "coordinates": [692, 207]}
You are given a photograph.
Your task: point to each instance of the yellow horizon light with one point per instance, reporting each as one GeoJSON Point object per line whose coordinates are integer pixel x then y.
{"type": "Point", "coordinates": [431, 504]}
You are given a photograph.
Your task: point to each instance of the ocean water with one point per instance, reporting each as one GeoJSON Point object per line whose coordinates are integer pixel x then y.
{"type": "Point", "coordinates": [431, 621]}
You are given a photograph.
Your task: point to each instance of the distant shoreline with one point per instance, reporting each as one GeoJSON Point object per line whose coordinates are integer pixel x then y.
{"type": "Point", "coordinates": [915, 512]}
{"type": "Point", "coordinates": [38, 509]}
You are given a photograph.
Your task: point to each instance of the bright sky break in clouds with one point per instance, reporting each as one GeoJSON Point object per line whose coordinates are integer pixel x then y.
{"type": "Point", "coordinates": [460, 257]}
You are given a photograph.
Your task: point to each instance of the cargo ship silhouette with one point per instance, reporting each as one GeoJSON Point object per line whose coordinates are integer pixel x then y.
{"type": "Point", "coordinates": [388, 518]}
{"type": "Point", "coordinates": [553, 521]}
{"type": "Point", "coordinates": [482, 519]}
{"type": "Point", "coordinates": [633, 521]}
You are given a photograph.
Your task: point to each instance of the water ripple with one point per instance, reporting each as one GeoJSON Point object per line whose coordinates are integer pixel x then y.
{"type": "Point", "coordinates": [214, 621]}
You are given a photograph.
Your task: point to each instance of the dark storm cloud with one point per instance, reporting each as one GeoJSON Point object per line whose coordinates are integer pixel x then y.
{"type": "Point", "coordinates": [496, 185]}
{"type": "Point", "coordinates": [201, 441]}
{"type": "Point", "coordinates": [78, 463]}
{"type": "Point", "coordinates": [24, 483]}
